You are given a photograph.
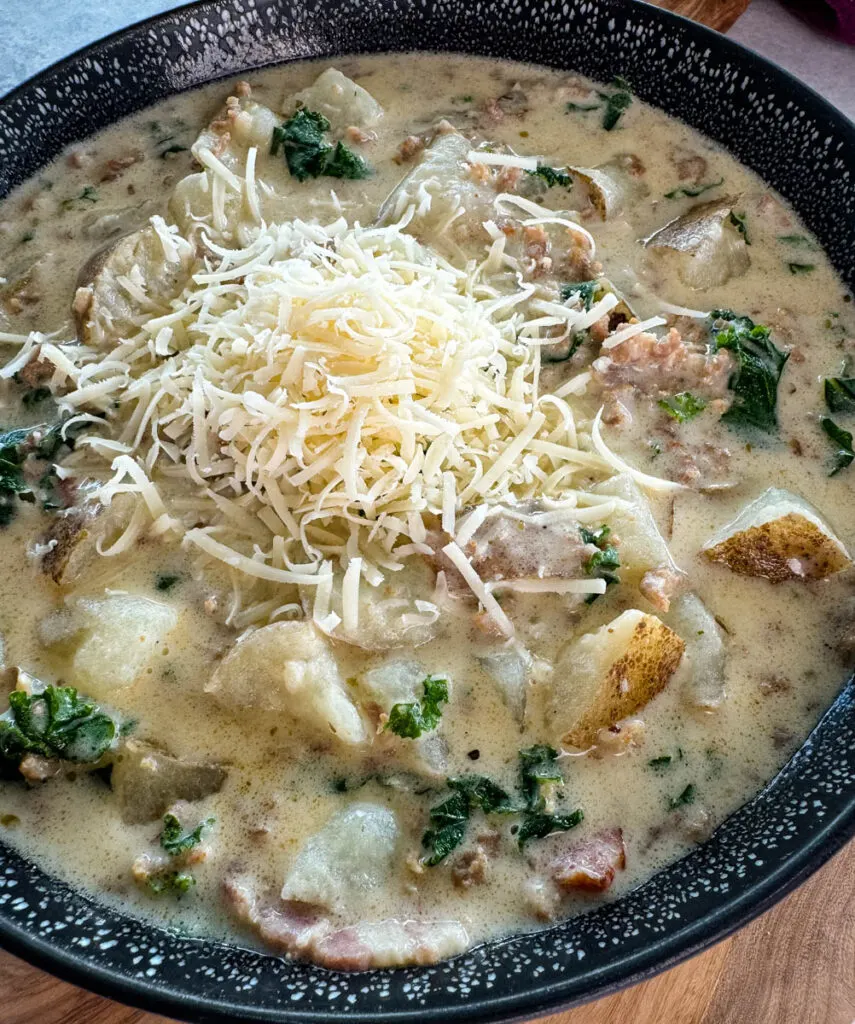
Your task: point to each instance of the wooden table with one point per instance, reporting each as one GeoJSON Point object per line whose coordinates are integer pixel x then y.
{"type": "Point", "coordinates": [794, 965]}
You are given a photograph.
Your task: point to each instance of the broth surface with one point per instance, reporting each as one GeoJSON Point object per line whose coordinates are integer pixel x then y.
{"type": "Point", "coordinates": [667, 774]}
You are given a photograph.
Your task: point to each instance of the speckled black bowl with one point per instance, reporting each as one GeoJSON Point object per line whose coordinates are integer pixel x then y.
{"type": "Point", "coordinates": [800, 145]}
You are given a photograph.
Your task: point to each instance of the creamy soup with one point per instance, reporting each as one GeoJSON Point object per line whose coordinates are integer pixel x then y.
{"type": "Point", "coordinates": [425, 503]}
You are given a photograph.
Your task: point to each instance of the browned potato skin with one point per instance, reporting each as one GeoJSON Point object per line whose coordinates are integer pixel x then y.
{"type": "Point", "coordinates": [771, 549]}
{"type": "Point", "coordinates": [77, 532]}
{"type": "Point", "coordinates": [652, 657]}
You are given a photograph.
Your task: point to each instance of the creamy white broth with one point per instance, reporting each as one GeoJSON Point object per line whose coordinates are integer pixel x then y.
{"type": "Point", "coordinates": [782, 641]}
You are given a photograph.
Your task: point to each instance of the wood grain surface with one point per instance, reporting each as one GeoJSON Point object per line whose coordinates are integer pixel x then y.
{"type": "Point", "coordinates": [794, 965]}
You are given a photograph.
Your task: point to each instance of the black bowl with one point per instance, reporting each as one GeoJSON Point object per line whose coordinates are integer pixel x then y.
{"type": "Point", "coordinates": [792, 138]}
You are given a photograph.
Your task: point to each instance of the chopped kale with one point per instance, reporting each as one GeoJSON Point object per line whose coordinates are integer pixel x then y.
{"type": "Point", "coordinates": [165, 882]}
{"type": "Point", "coordinates": [617, 103]}
{"type": "Point", "coordinates": [692, 191]}
{"type": "Point", "coordinates": [484, 793]}
{"type": "Point", "coordinates": [56, 723]}
{"type": "Point", "coordinates": [22, 450]}
{"type": "Point", "coordinates": [682, 407]}
{"type": "Point", "coordinates": [88, 195]}
{"type": "Point", "coordinates": [411, 720]}
{"type": "Point", "coordinates": [660, 762]}
{"type": "Point", "coordinates": [800, 241]}
{"type": "Point", "coordinates": [759, 365]}
{"type": "Point", "coordinates": [801, 268]}
{"type": "Point", "coordinates": [740, 222]}
{"type": "Point", "coordinates": [603, 563]}
{"type": "Point", "coordinates": [171, 151]}
{"type": "Point", "coordinates": [448, 827]}
{"type": "Point", "coordinates": [686, 797]}
{"type": "Point", "coordinates": [539, 772]}
{"type": "Point", "coordinates": [307, 152]}
{"type": "Point", "coordinates": [538, 826]}
{"type": "Point", "coordinates": [597, 536]}
{"type": "Point", "coordinates": [840, 394]}
{"type": "Point", "coordinates": [842, 440]}
{"type": "Point", "coordinates": [613, 104]}
{"type": "Point", "coordinates": [35, 396]}
{"type": "Point", "coordinates": [585, 291]}
{"type": "Point", "coordinates": [174, 841]}
{"type": "Point", "coordinates": [552, 177]}
{"type": "Point", "coordinates": [166, 581]}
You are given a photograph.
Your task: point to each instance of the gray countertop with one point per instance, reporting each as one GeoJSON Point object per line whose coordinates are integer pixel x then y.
{"type": "Point", "coordinates": [35, 33]}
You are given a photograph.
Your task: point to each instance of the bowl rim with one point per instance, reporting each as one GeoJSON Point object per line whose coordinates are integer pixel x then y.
{"type": "Point", "coordinates": [656, 956]}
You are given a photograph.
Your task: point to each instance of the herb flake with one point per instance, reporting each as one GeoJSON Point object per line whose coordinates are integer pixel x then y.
{"type": "Point", "coordinates": [552, 176]}
{"type": "Point", "coordinates": [682, 407]}
{"type": "Point", "coordinates": [692, 191]}
{"type": "Point", "coordinates": [175, 841]}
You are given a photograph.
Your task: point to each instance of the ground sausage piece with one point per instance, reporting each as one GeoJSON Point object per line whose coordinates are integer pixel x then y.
{"type": "Point", "coordinates": [536, 250]}
{"type": "Point", "coordinates": [663, 367]}
{"type": "Point", "coordinates": [410, 148]}
{"type": "Point", "coordinates": [660, 585]}
{"type": "Point", "coordinates": [470, 868]}
{"type": "Point", "coordinates": [590, 865]}
{"type": "Point", "coordinates": [113, 169]}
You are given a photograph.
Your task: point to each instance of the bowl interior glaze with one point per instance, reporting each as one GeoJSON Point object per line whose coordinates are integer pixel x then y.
{"type": "Point", "coordinates": [796, 142]}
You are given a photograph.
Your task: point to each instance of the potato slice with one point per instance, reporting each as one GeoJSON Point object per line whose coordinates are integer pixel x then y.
{"type": "Point", "coordinates": [288, 666]}
{"type": "Point", "coordinates": [443, 176]}
{"type": "Point", "coordinates": [612, 186]}
{"type": "Point", "coordinates": [127, 283]}
{"type": "Point", "coordinates": [351, 857]}
{"type": "Point", "coordinates": [700, 676]}
{"type": "Point", "coordinates": [779, 537]}
{"type": "Point", "coordinates": [147, 782]}
{"type": "Point", "coordinates": [702, 246]}
{"type": "Point", "coordinates": [342, 102]}
{"type": "Point", "coordinates": [606, 676]}
{"type": "Point", "coordinates": [114, 640]}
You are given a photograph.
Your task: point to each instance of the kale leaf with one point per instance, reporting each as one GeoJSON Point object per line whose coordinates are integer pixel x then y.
{"type": "Point", "coordinates": [174, 841]}
{"type": "Point", "coordinates": [686, 797]}
{"type": "Point", "coordinates": [448, 827]}
{"type": "Point", "coordinates": [411, 720]}
{"type": "Point", "coordinates": [617, 103]}
{"type": "Point", "coordinates": [56, 723]}
{"type": "Point", "coordinates": [759, 365]}
{"type": "Point", "coordinates": [691, 191]}
{"type": "Point", "coordinates": [740, 222]}
{"type": "Point", "coordinates": [682, 407]}
{"type": "Point", "coordinates": [585, 290]}
{"type": "Point", "coordinates": [307, 152]}
{"type": "Point", "coordinates": [484, 793]}
{"type": "Point", "coordinates": [538, 772]}
{"type": "Point", "coordinates": [552, 176]}
{"type": "Point", "coordinates": [603, 564]}
{"type": "Point", "coordinates": [538, 826]}
{"type": "Point", "coordinates": [842, 441]}
{"type": "Point", "coordinates": [22, 451]}
{"type": "Point", "coordinates": [840, 394]}
{"type": "Point", "coordinates": [801, 268]}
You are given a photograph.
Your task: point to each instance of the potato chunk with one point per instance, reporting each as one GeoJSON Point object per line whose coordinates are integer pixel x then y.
{"type": "Point", "coordinates": [704, 247]}
{"type": "Point", "coordinates": [114, 640]}
{"type": "Point", "coordinates": [351, 856]}
{"type": "Point", "coordinates": [701, 675]}
{"type": "Point", "coordinates": [342, 102]}
{"type": "Point", "coordinates": [779, 537]}
{"type": "Point", "coordinates": [128, 283]}
{"type": "Point", "coordinates": [147, 781]}
{"type": "Point", "coordinates": [606, 676]}
{"type": "Point", "coordinates": [288, 666]}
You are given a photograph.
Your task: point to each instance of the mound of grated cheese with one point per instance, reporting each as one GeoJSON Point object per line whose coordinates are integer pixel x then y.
{"type": "Point", "coordinates": [310, 399]}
